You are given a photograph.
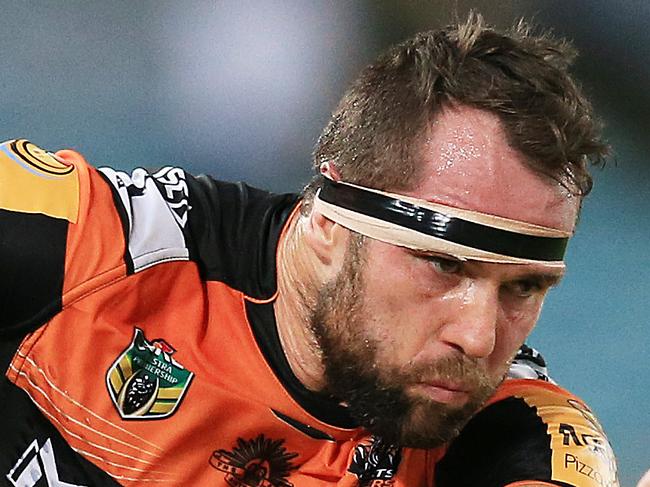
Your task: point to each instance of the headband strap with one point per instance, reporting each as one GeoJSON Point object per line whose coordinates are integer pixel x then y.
{"type": "Point", "coordinates": [430, 226]}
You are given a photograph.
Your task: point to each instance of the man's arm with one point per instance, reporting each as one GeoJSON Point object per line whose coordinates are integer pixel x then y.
{"type": "Point", "coordinates": [60, 234]}
{"type": "Point", "coordinates": [39, 201]}
{"type": "Point", "coordinates": [532, 433]}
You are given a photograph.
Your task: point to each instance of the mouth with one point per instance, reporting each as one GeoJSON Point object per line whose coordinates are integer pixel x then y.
{"type": "Point", "coordinates": [453, 394]}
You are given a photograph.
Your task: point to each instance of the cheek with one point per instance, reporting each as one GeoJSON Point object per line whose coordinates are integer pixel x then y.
{"type": "Point", "coordinates": [386, 282]}
{"type": "Point", "coordinates": [520, 314]}
{"type": "Point", "coordinates": [513, 328]}
{"type": "Point", "coordinates": [396, 278]}
{"type": "Point", "coordinates": [399, 305]}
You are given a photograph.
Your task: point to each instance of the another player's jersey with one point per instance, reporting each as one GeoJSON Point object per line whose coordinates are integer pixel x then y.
{"type": "Point", "coordinates": [139, 342]}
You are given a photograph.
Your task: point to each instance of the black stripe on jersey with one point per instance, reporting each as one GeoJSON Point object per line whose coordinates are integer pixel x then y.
{"type": "Point", "coordinates": [124, 219]}
{"type": "Point", "coordinates": [233, 237]}
{"type": "Point", "coordinates": [303, 427]}
{"type": "Point", "coordinates": [262, 320]}
{"type": "Point", "coordinates": [32, 264]}
{"type": "Point", "coordinates": [233, 233]}
{"type": "Point", "coordinates": [504, 443]}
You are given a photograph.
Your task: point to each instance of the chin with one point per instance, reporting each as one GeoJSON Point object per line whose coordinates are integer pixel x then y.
{"type": "Point", "coordinates": [431, 424]}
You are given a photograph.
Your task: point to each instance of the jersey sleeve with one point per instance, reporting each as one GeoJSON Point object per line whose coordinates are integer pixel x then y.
{"type": "Point", "coordinates": [532, 433]}
{"type": "Point", "coordinates": [45, 219]}
{"type": "Point", "coordinates": [68, 229]}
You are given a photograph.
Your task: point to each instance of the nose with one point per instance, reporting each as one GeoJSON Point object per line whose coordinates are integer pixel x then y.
{"type": "Point", "coordinates": [471, 325]}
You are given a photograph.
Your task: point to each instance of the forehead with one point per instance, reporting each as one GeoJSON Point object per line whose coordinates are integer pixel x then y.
{"type": "Point", "coordinates": [467, 163]}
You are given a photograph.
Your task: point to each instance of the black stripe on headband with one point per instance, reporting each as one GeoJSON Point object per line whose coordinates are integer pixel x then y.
{"type": "Point", "coordinates": [436, 224]}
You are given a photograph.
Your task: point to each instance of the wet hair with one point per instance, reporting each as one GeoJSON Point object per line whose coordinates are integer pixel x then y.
{"type": "Point", "coordinates": [377, 131]}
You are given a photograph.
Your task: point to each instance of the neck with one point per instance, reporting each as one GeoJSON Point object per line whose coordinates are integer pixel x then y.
{"type": "Point", "coordinates": [297, 290]}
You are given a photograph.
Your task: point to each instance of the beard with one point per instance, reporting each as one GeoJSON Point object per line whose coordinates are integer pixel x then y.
{"type": "Point", "coordinates": [375, 392]}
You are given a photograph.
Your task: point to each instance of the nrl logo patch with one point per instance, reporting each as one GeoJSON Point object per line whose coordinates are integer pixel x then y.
{"type": "Point", "coordinates": [146, 382]}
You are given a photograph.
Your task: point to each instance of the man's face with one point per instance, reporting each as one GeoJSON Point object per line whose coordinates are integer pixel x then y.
{"type": "Point", "coordinates": [414, 343]}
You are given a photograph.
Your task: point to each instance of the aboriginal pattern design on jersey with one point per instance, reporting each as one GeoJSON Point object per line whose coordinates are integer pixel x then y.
{"type": "Point", "coordinates": [155, 209]}
{"type": "Point", "coordinates": [529, 364]}
{"type": "Point", "coordinates": [260, 462]}
{"type": "Point", "coordinates": [146, 382]}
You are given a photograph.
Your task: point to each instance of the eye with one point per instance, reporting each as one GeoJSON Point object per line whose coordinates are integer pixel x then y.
{"type": "Point", "coordinates": [445, 265]}
{"type": "Point", "coordinates": [525, 288]}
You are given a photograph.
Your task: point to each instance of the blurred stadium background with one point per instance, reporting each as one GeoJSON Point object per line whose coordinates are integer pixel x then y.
{"type": "Point", "coordinates": [241, 89]}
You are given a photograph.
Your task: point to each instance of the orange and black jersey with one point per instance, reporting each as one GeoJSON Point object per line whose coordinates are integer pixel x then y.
{"type": "Point", "coordinates": [139, 346]}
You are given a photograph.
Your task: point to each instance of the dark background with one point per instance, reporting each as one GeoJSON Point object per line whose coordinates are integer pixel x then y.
{"type": "Point", "coordinates": [241, 89]}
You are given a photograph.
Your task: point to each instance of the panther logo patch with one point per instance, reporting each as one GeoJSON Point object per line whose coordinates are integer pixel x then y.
{"type": "Point", "coordinates": [376, 463]}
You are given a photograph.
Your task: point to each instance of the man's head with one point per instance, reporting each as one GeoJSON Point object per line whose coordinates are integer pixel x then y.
{"type": "Point", "coordinates": [415, 341]}
{"type": "Point", "coordinates": [376, 133]}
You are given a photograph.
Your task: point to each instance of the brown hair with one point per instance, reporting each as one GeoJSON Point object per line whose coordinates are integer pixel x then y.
{"type": "Point", "coordinates": [375, 134]}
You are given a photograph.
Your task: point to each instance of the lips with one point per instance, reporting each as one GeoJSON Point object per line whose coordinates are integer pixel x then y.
{"type": "Point", "coordinates": [444, 392]}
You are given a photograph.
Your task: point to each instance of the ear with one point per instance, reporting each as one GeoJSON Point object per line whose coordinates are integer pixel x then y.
{"type": "Point", "coordinates": [327, 239]}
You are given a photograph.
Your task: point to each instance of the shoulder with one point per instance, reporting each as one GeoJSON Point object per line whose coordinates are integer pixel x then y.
{"type": "Point", "coordinates": [531, 430]}
{"type": "Point", "coordinates": [68, 228]}
{"type": "Point", "coordinates": [40, 200]}
{"type": "Point", "coordinates": [229, 230]}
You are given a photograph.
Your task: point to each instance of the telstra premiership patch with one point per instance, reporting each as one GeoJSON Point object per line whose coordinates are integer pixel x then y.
{"type": "Point", "coordinates": [36, 181]}
{"type": "Point", "coordinates": [145, 382]}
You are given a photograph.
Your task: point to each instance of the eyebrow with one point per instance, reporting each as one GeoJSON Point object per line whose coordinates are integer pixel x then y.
{"type": "Point", "coordinates": [548, 277]}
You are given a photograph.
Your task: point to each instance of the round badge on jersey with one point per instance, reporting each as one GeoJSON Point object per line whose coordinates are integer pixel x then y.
{"type": "Point", "coordinates": [39, 159]}
{"type": "Point", "coordinates": [33, 180]}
